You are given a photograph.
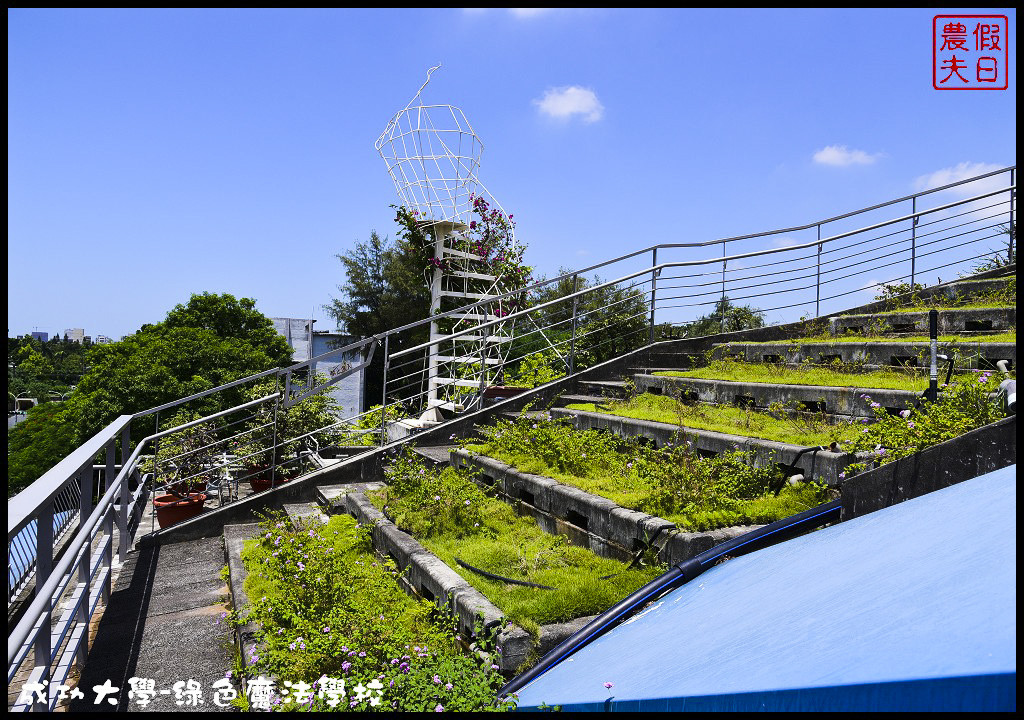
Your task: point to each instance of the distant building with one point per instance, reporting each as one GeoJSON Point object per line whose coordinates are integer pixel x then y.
{"type": "Point", "coordinates": [307, 343]}
{"type": "Point", "coordinates": [103, 340]}
{"type": "Point", "coordinates": [75, 334]}
{"type": "Point", "coordinates": [41, 336]}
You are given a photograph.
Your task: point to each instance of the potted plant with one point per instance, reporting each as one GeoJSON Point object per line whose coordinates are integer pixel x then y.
{"type": "Point", "coordinates": [181, 467]}
{"type": "Point", "coordinates": [267, 463]}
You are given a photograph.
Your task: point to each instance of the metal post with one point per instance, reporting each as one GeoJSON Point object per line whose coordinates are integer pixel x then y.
{"type": "Point", "coordinates": [85, 564]}
{"type": "Point", "coordinates": [1013, 193]}
{"type": "Point", "coordinates": [817, 281]}
{"type": "Point", "coordinates": [913, 239]}
{"type": "Point", "coordinates": [723, 287]}
{"type": "Point", "coordinates": [44, 566]}
{"type": "Point", "coordinates": [122, 516]}
{"type": "Point", "coordinates": [933, 334]}
{"type": "Point", "coordinates": [572, 340]}
{"type": "Point", "coordinates": [384, 388]}
{"type": "Point", "coordinates": [273, 451]}
{"type": "Point", "coordinates": [654, 287]}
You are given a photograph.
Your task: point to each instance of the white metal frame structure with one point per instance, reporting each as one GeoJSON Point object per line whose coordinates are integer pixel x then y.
{"type": "Point", "coordinates": [433, 156]}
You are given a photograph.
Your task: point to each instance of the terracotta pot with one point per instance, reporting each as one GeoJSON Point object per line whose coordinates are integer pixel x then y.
{"type": "Point", "coordinates": [501, 392]}
{"type": "Point", "coordinates": [260, 479]}
{"type": "Point", "coordinates": [171, 509]}
{"type": "Point", "coordinates": [187, 488]}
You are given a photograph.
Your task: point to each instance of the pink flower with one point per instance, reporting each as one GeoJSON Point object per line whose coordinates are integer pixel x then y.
{"type": "Point", "coordinates": [609, 685]}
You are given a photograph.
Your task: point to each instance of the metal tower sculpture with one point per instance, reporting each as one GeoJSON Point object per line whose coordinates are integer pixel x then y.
{"type": "Point", "coordinates": [433, 156]}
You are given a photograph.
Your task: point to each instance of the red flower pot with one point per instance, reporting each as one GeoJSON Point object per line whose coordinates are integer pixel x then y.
{"type": "Point", "coordinates": [260, 479]}
{"type": "Point", "coordinates": [172, 509]}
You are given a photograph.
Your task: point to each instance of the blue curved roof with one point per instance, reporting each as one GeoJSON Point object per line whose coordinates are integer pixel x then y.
{"type": "Point", "coordinates": [910, 607]}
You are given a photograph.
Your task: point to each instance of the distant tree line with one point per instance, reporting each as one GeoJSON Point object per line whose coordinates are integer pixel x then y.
{"type": "Point", "coordinates": [208, 341]}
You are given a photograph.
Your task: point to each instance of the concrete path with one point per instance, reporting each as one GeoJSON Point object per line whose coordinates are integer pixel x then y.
{"type": "Point", "coordinates": [164, 623]}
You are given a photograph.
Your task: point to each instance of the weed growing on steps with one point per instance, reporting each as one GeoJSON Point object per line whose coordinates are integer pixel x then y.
{"type": "Point", "coordinates": [447, 512]}
{"type": "Point", "coordinates": [326, 607]}
{"type": "Point", "coordinates": [962, 406]}
{"type": "Point", "coordinates": [698, 493]}
{"type": "Point", "coordinates": [806, 374]}
{"type": "Point", "coordinates": [779, 424]}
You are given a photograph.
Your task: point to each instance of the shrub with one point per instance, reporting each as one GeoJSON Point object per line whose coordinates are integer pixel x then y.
{"type": "Point", "coordinates": [330, 611]}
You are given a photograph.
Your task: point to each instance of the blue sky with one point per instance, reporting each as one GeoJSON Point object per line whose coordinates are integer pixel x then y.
{"type": "Point", "coordinates": [157, 153]}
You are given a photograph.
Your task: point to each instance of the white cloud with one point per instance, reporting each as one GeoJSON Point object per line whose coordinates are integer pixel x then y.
{"type": "Point", "coordinates": [785, 241]}
{"type": "Point", "coordinates": [526, 13]}
{"type": "Point", "coordinates": [842, 156]}
{"type": "Point", "coordinates": [565, 102]}
{"type": "Point", "coordinates": [959, 172]}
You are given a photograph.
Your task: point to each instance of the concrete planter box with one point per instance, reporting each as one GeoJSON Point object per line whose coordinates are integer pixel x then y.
{"type": "Point", "coordinates": [950, 322]}
{"type": "Point", "coordinates": [894, 353]}
{"type": "Point", "coordinates": [589, 520]}
{"type": "Point", "coordinates": [429, 577]}
{"type": "Point", "coordinates": [821, 464]}
{"type": "Point", "coordinates": [815, 398]}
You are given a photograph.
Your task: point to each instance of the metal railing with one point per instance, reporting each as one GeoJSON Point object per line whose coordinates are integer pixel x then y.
{"type": "Point", "coordinates": [222, 436]}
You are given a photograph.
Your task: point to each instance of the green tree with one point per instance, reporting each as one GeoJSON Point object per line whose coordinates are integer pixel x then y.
{"type": "Point", "coordinates": [609, 321]}
{"type": "Point", "coordinates": [209, 341]}
{"type": "Point", "coordinates": [385, 287]}
{"type": "Point", "coordinates": [736, 317]}
{"type": "Point", "coordinates": [34, 443]}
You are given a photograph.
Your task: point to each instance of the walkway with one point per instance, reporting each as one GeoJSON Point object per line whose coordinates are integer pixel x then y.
{"type": "Point", "coordinates": [165, 623]}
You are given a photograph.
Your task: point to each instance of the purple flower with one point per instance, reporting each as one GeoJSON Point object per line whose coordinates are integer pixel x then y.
{"type": "Point", "coordinates": [609, 685]}
{"type": "Point", "coordinates": [439, 708]}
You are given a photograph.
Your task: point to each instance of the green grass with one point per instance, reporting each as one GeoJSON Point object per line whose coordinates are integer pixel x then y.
{"type": "Point", "coordinates": [979, 305]}
{"type": "Point", "coordinates": [1006, 337]}
{"type": "Point", "coordinates": [730, 370]}
{"type": "Point", "coordinates": [628, 489]}
{"type": "Point", "coordinates": [674, 483]}
{"type": "Point", "coordinates": [502, 543]}
{"type": "Point", "coordinates": [806, 429]}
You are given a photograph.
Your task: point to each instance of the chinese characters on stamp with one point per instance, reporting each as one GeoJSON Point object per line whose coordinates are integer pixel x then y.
{"type": "Point", "coordinates": [970, 52]}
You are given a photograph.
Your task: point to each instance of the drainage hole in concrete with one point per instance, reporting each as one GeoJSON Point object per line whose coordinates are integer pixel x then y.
{"type": "Point", "coordinates": [576, 519]}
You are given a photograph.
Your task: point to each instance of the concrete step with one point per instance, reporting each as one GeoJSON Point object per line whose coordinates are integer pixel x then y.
{"type": "Point", "coordinates": [574, 398]}
{"type": "Point", "coordinates": [603, 388]}
{"type": "Point", "coordinates": [303, 513]}
{"type": "Point", "coordinates": [957, 291]}
{"type": "Point", "coordinates": [975, 320]}
{"type": "Point", "coordinates": [435, 455]}
{"type": "Point", "coordinates": [332, 497]}
{"type": "Point", "coordinates": [823, 464]}
{"type": "Point", "coordinates": [845, 401]}
{"type": "Point", "coordinates": [975, 355]}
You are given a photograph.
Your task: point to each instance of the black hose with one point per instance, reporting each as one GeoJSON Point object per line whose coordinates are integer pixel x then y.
{"type": "Point", "coordinates": [676, 576]}
{"type": "Point", "coordinates": [492, 576]}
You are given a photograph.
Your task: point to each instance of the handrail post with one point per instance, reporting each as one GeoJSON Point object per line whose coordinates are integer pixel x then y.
{"type": "Point", "coordinates": [654, 288]}
{"type": "Point", "coordinates": [723, 286]}
{"type": "Point", "coordinates": [44, 566]}
{"type": "Point", "coordinates": [572, 339]}
{"type": "Point", "coordinates": [384, 389]}
{"type": "Point", "coordinates": [122, 515]}
{"type": "Point", "coordinates": [273, 451]}
{"type": "Point", "coordinates": [1011, 250]}
{"type": "Point", "coordinates": [817, 280]}
{"type": "Point", "coordinates": [913, 239]}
